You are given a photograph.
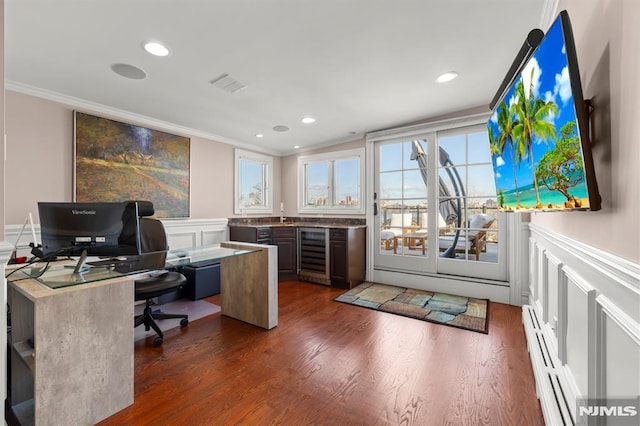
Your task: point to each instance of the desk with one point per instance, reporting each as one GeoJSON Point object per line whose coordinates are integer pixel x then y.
{"type": "Point", "coordinates": [81, 370]}
{"type": "Point", "coordinates": [248, 278]}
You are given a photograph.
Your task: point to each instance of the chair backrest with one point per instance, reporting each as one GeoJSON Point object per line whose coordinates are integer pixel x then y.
{"type": "Point", "coordinates": [130, 219]}
{"type": "Point", "coordinates": [152, 235]}
{"type": "Point", "coordinates": [480, 221]}
{"type": "Point", "coordinates": [423, 220]}
{"type": "Point", "coordinates": [400, 220]}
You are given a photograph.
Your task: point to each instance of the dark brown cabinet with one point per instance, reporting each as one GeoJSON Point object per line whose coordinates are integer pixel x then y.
{"type": "Point", "coordinates": [286, 240]}
{"type": "Point", "coordinates": [347, 256]}
{"type": "Point", "coordinates": [250, 234]}
{"type": "Point", "coordinates": [282, 236]}
{"type": "Point", "coordinates": [344, 256]}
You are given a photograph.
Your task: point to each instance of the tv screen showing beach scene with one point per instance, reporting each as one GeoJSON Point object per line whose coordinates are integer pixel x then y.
{"type": "Point", "coordinates": [537, 133]}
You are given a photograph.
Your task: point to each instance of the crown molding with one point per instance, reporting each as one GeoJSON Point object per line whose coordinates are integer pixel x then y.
{"type": "Point", "coordinates": [548, 14]}
{"type": "Point", "coordinates": [78, 103]}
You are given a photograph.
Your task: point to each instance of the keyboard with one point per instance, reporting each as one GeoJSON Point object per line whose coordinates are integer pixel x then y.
{"type": "Point", "coordinates": [107, 262]}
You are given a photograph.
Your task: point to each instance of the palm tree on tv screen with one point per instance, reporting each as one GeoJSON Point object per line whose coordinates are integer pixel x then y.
{"type": "Point", "coordinates": [505, 138]}
{"type": "Point", "coordinates": [532, 113]}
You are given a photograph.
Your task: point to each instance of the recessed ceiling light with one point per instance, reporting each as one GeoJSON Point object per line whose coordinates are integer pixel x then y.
{"type": "Point", "coordinates": [447, 76]}
{"type": "Point", "coordinates": [308, 120]}
{"type": "Point", "coordinates": [296, 146]}
{"type": "Point", "coordinates": [156, 49]}
{"type": "Point", "coordinates": [259, 135]}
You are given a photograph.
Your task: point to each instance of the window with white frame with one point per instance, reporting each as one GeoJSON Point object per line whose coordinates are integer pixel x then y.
{"type": "Point", "coordinates": [253, 180]}
{"type": "Point", "coordinates": [331, 182]}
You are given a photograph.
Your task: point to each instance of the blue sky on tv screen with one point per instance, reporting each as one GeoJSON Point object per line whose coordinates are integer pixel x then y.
{"type": "Point", "coordinates": [550, 82]}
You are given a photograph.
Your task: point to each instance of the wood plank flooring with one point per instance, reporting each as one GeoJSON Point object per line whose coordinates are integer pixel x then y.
{"type": "Point", "coordinates": [331, 363]}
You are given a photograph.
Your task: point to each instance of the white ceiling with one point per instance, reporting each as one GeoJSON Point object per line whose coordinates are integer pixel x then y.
{"type": "Point", "coordinates": [355, 65]}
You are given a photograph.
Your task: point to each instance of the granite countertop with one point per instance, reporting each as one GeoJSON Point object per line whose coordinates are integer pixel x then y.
{"type": "Point", "coordinates": [298, 224]}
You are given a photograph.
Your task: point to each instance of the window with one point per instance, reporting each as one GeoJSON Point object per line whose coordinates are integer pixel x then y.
{"type": "Point", "coordinates": [253, 180]}
{"type": "Point", "coordinates": [331, 182]}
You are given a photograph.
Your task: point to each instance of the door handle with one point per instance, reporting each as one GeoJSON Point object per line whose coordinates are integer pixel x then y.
{"type": "Point", "coordinates": [375, 204]}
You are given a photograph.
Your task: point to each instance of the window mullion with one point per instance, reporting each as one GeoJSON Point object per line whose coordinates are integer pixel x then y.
{"type": "Point", "coordinates": [331, 191]}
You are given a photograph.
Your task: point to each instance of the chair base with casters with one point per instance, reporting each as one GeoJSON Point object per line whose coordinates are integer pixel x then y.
{"type": "Point", "coordinates": [148, 288]}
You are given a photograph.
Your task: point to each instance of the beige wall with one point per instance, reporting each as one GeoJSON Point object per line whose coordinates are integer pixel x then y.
{"type": "Point", "coordinates": [40, 162]}
{"type": "Point", "coordinates": [606, 34]}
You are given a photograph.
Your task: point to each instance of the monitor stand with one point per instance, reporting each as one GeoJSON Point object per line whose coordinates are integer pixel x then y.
{"type": "Point", "coordinates": [81, 266]}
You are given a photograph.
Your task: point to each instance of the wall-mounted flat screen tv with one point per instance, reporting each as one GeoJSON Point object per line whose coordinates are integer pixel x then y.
{"type": "Point", "coordinates": [539, 134]}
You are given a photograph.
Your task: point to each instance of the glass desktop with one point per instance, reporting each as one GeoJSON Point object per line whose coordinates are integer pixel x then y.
{"type": "Point", "coordinates": [59, 275]}
{"type": "Point", "coordinates": [201, 256]}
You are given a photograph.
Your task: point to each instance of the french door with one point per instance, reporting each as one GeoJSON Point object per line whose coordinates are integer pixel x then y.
{"type": "Point", "coordinates": [402, 196]}
{"type": "Point", "coordinates": [435, 206]}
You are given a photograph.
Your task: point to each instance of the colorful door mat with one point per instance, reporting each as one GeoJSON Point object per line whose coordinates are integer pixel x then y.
{"type": "Point", "coordinates": [457, 311]}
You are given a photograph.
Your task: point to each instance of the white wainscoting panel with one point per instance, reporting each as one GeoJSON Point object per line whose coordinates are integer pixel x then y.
{"type": "Point", "coordinates": [552, 288]}
{"type": "Point", "coordinates": [582, 324]}
{"type": "Point", "coordinates": [195, 232]}
{"type": "Point", "coordinates": [578, 337]}
{"type": "Point", "coordinates": [619, 350]}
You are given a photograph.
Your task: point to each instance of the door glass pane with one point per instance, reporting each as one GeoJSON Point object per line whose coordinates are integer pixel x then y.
{"type": "Point", "coordinates": [391, 185]}
{"type": "Point", "coordinates": [414, 185]}
{"type": "Point", "coordinates": [456, 148]}
{"type": "Point", "coordinates": [390, 157]}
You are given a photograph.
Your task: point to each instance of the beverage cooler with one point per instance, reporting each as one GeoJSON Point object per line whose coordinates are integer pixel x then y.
{"type": "Point", "coordinates": [313, 255]}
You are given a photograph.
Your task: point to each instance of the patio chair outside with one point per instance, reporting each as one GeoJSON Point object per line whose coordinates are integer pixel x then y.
{"type": "Point", "coordinates": [476, 239]}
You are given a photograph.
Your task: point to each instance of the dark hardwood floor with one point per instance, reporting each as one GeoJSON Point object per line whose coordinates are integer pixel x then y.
{"type": "Point", "coordinates": [331, 363]}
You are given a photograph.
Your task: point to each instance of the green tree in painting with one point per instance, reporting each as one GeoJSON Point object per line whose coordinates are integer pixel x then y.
{"type": "Point", "coordinates": [561, 168]}
{"type": "Point", "coordinates": [532, 114]}
{"type": "Point", "coordinates": [506, 126]}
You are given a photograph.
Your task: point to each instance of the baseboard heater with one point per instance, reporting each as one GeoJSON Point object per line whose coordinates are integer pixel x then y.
{"type": "Point", "coordinates": [551, 389]}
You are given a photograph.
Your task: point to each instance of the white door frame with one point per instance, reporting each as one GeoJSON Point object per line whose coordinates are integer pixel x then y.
{"type": "Point", "coordinates": [509, 291]}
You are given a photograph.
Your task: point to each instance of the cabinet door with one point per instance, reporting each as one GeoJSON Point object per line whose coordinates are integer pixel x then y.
{"type": "Point", "coordinates": [339, 261]}
{"type": "Point", "coordinates": [250, 234]}
{"type": "Point", "coordinates": [244, 234]}
{"type": "Point", "coordinates": [287, 255]}
{"type": "Point", "coordinates": [285, 239]}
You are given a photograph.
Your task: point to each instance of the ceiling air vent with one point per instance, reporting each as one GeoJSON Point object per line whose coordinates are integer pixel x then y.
{"type": "Point", "coordinates": [227, 83]}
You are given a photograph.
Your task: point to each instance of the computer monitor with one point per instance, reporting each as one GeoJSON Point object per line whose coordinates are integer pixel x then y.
{"type": "Point", "coordinates": [100, 229]}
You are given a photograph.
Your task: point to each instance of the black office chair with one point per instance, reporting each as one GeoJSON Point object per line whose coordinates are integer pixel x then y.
{"type": "Point", "coordinates": [154, 239]}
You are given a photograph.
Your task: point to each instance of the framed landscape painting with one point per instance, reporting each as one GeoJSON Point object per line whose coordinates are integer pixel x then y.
{"type": "Point", "coordinates": [115, 161]}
